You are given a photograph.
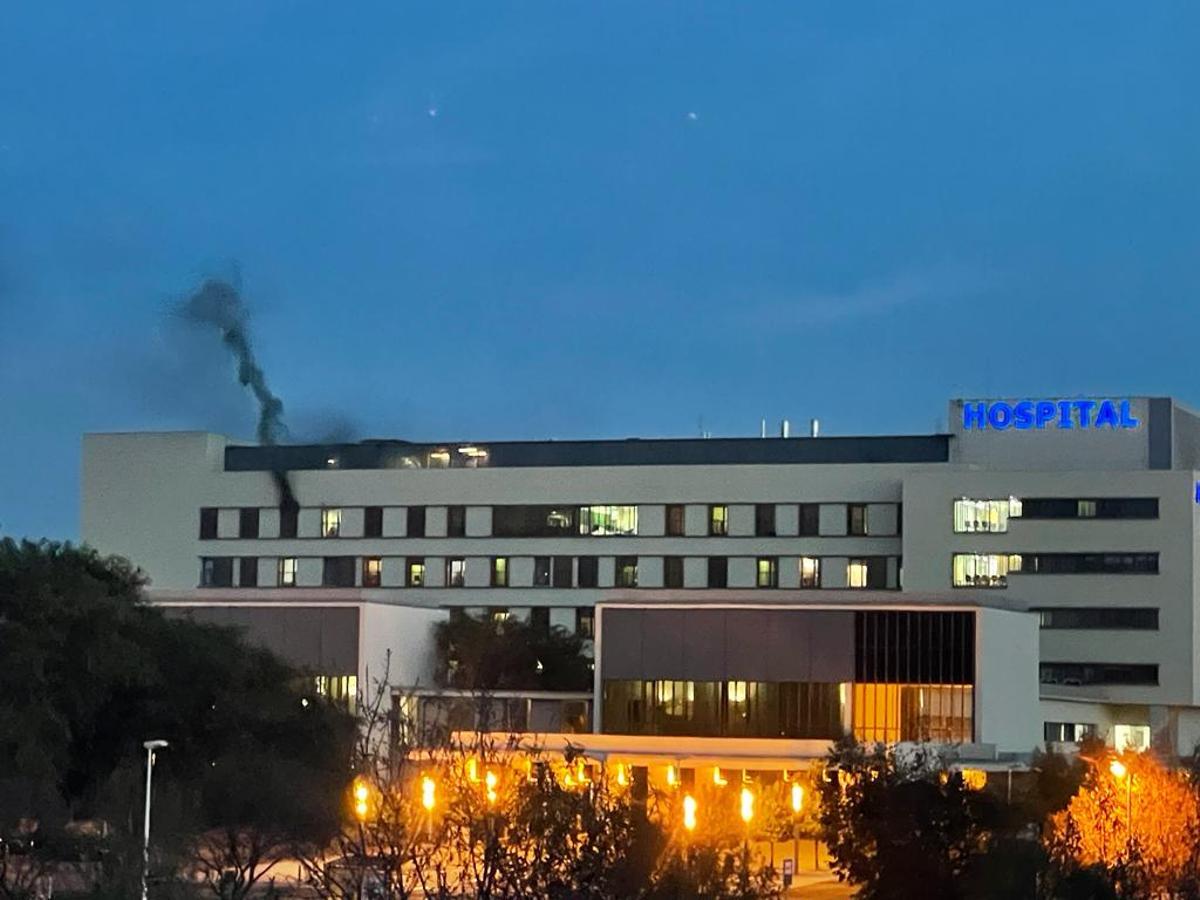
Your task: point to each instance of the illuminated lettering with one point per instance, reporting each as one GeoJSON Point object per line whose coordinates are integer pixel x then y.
{"type": "Point", "coordinates": [1040, 415]}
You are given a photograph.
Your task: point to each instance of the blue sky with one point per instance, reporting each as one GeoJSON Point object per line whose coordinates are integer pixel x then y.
{"type": "Point", "coordinates": [497, 220]}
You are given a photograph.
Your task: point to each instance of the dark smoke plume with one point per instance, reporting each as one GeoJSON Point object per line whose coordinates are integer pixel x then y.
{"type": "Point", "coordinates": [219, 303]}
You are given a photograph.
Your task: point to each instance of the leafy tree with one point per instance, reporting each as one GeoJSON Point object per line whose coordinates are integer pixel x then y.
{"type": "Point", "coordinates": [483, 655]}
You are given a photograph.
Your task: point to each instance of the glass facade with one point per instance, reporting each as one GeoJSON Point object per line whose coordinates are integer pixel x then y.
{"type": "Point", "coordinates": [604, 520]}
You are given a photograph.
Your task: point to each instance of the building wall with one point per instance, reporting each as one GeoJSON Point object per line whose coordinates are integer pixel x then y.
{"type": "Point", "coordinates": [1006, 680]}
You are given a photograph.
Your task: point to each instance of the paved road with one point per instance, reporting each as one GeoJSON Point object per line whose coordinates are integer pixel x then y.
{"type": "Point", "coordinates": [818, 886]}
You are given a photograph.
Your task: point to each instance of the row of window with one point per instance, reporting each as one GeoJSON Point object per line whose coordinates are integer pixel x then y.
{"type": "Point", "coordinates": [555, 521]}
{"type": "Point", "coordinates": [870, 572]}
{"type": "Point", "coordinates": [991, 516]}
{"type": "Point", "coordinates": [1114, 618]}
{"type": "Point", "coordinates": [1066, 673]}
{"type": "Point", "coordinates": [991, 570]}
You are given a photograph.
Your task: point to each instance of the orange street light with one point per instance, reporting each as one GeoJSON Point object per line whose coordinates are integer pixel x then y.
{"type": "Point", "coordinates": [747, 805]}
{"type": "Point", "coordinates": [1118, 769]}
{"type": "Point", "coordinates": [427, 793]}
{"type": "Point", "coordinates": [490, 780]}
{"type": "Point", "coordinates": [362, 798]}
{"type": "Point", "coordinates": [797, 798]}
{"type": "Point", "coordinates": [672, 780]}
{"type": "Point", "coordinates": [689, 812]}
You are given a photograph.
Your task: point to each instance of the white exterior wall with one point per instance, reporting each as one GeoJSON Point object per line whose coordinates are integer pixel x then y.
{"type": "Point", "coordinates": [1006, 680]}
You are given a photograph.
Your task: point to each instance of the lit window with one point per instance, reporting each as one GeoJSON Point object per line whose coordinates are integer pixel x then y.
{"type": "Point", "coordinates": [286, 573]}
{"type": "Point", "coordinates": [856, 573]}
{"type": "Point", "coordinates": [499, 614]}
{"type": "Point", "coordinates": [439, 459]}
{"type": "Point", "coordinates": [810, 572]}
{"type": "Point", "coordinates": [500, 571]}
{"type": "Point", "coordinates": [1131, 737]}
{"type": "Point", "coordinates": [626, 574]}
{"type": "Point", "coordinates": [414, 572]}
{"type": "Point", "coordinates": [1087, 509]}
{"type": "Point", "coordinates": [987, 516]}
{"type": "Point", "coordinates": [372, 575]}
{"type": "Point", "coordinates": [331, 523]}
{"type": "Point", "coordinates": [456, 572]}
{"type": "Point", "coordinates": [718, 520]}
{"type": "Point", "coordinates": [341, 689]}
{"type": "Point", "coordinates": [768, 572]}
{"type": "Point", "coordinates": [602, 520]}
{"type": "Point", "coordinates": [984, 570]}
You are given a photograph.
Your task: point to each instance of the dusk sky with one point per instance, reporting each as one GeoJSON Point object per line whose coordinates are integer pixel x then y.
{"type": "Point", "coordinates": [535, 220]}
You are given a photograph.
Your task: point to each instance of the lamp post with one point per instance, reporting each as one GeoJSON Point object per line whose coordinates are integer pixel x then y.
{"type": "Point", "coordinates": [1121, 772]}
{"type": "Point", "coordinates": [150, 746]}
{"type": "Point", "coordinates": [797, 806]}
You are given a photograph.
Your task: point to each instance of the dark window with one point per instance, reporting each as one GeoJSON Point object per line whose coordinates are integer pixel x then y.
{"type": "Point", "coordinates": [585, 621]}
{"type": "Point", "coordinates": [718, 519]}
{"type": "Point", "coordinates": [499, 571]}
{"type": "Point", "coordinates": [373, 521]}
{"type": "Point", "coordinates": [877, 572]}
{"type": "Point", "coordinates": [1068, 732]}
{"type": "Point", "coordinates": [416, 522]}
{"type": "Point", "coordinates": [675, 520]}
{"type": "Point", "coordinates": [1089, 508]}
{"type": "Point", "coordinates": [289, 522]}
{"type": "Point", "coordinates": [1088, 563]}
{"type": "Point", "coordinates": [718, 571]}
{"type": "Point", "coordinates": [535, 521]}
{"type": "Point", "coordinates": [248, 522]}
{"type": "Point", "coordinates": [589, 571]}
{"type": "Point", "coordinates": [914, 647]}
{"type": "Point", "coordinates": [216, 571]}
{"type": "Point", "coordinates": [248, 571]}
{"type": "Point", "coordinates": [372, 571]}
{"type": "Point", "coordinates": [673, 571]}
{"type": "Point", "coordinates": [810, 519]}
{"type": "Point", "coordinates": [456, 572]}
{"type": "Point", "coordinates": [1098, 673]}
{"type": "Point", "coordinates": [1099, 617]}
{"type": "Point", "coordinates": [764, 520]}
{"type": "Point", "coordinates": [541, 570]}
{"type": "Point", "coordinates": [456, 521]}
{"type": "Point", "coordinates": [625, 571]}
{"type": "Point", "coordinates": [338, 571]}
{"type": "Point", "coordinates": [539, 619]}
{"type": "Point", "coordinates": [856, 519]}
{"type": "Point", "coordinates": [208, 523]}
{"type": "Point", "coordinates": [562, 572]}
{"type": "Point", "coordinates": [414, 571]}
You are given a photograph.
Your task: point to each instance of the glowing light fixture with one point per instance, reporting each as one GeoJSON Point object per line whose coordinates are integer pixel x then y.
{"type": "Point", "coordinates": [797, 798]}
{"type": "Point", "coordinates": [689, 812]}
{"type": "Point", "coordinates": [1118, 769]}
{"type": "Point", "coordinates": [427, 793]}
{"type": "Point", "coordinates": [718, 780]}
{"type": "Point", "coordinates": [747, 805]}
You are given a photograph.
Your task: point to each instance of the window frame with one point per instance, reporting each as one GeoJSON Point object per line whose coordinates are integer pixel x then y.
{"type": "Point", "coordinates": [718, 526]}
{"type": "Point", "coordinates": [285, 565]}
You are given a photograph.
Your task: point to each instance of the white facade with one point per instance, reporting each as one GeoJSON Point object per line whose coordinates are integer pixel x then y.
{"type": "Point", "coordinates": [848, 514]}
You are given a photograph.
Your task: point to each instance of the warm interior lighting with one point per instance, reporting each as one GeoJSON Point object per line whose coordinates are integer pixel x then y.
{"type": "Point", "coordinates": [975, 779]}
{"type": "Point", "coordinates": [1118, 769]}
{"type": "Point", "coordinates": [427, 795]}
{"type": "Point", "coordinates": [689, 812]}
{"type": "Point", "coordinates": [747, 805]}
{"type": "Point", "coordinates": [472, 771]}
{"type": "Point", "coordinates": [490, 780]}
{"type": "Point", "coordinates": [717, 779]}
{"type": "Point", "coordinates": [362, 796]}
{"type": "Point", "coordinates": [672, 778]}
{"type": "Point", "coordinates": [621, 780]}
{"type": "Point", "coordinates": [797, 798]}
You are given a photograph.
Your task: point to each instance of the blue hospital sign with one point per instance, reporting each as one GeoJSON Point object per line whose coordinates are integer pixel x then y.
{"type": "Point", "coordinates": [1041, 415]}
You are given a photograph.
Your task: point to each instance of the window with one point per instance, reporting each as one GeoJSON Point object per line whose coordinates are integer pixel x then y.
{"type": "Point", "coordinates": [289, 521]}
{"type": "Point", "coordinates": [414, 572]}
{"type": "Point", "coordinates": [585, 622]}
{"type": "Point", "coordinates": [456, 572]}
{"type": "Point", "coordinates": [1097, 617]}
{"type": "Point", "coordinates": [216, 571]}
{"type": "Point", "coordinates": [984, 516]}
{"type": "Point", "coordinates": [984, 570]}
{"type": "Point", "coordinates": [1068, 732]}
{"type": "Point", "coordinates": [561, 576]}
{"type": "Point", "coordinates": [331, 523]}
{"type": "Point", "coordinates": [248, 571]}
{"type": "Point", "coordinates": [208, 523]}
{"type": "Point", "coordinates": [373, 521]}
{"type": "Point", "coordinates": [248, 522]}
{"type": "Point", "coordinates": [625, 571]}
{"type": "Point", "coordinates": [372, 571]}
{"type": "Point", "coordinates": [675, 520]}
{"type": "Point", "coordinates": [539, 619]}
{"type": "Point", "coordinates": [534, 521]}
{"type": "Point", "coordinates": [604, 520]}
{"type": "Point", "coordinates": [718, 571]}
{"type": "Point", "coordinates": [499, 614]}
{"type": "Point", "coordinates": [673, 571]}
{"type": "Point", "coordinates": [499, 571]}
{"type": "Point", "coordinates": [856, 519]}
{"type": "Point", "coordinates": [1098, 673]}
{"type": "Point", "coordinates": [338, 571]}
{"type": "Point", "coordinates": [589, 572]}
{"type": "Point", "coordinates": [415, 522]}
{"type": "Point", "coordinates": [285, 572]}
{"type": "Point", "coordinates": [1089, 563]}
{"type": "Point", "coordinates": [810, 572]}
{"type": "Point", "coordinates": [810, 519]}
{"type": "Point", "coordinates": [1131, 737]}
{"type": "Point", "coordinates": [541, 571]}
{"type": "Point", "coordinates": [718, 520]}
{"type": "Point", "coordinates": [768, 572]}
{"type": "Point", "coordinates": [456, 521]}
{"type": "Point", "coordinates": [764, 520]}
{"type": "Point", "coordinates": [1089, 508]}
{"type": "Point", "coordinates": [856, 573]}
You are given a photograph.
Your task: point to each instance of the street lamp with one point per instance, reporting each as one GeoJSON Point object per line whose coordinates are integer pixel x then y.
{"type": "Point", "coordinates": [150, 746]}
{"type": "Point", "coordinates": [689, 812]}
{"type": "Point", "coordinates": [1121, 772]}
